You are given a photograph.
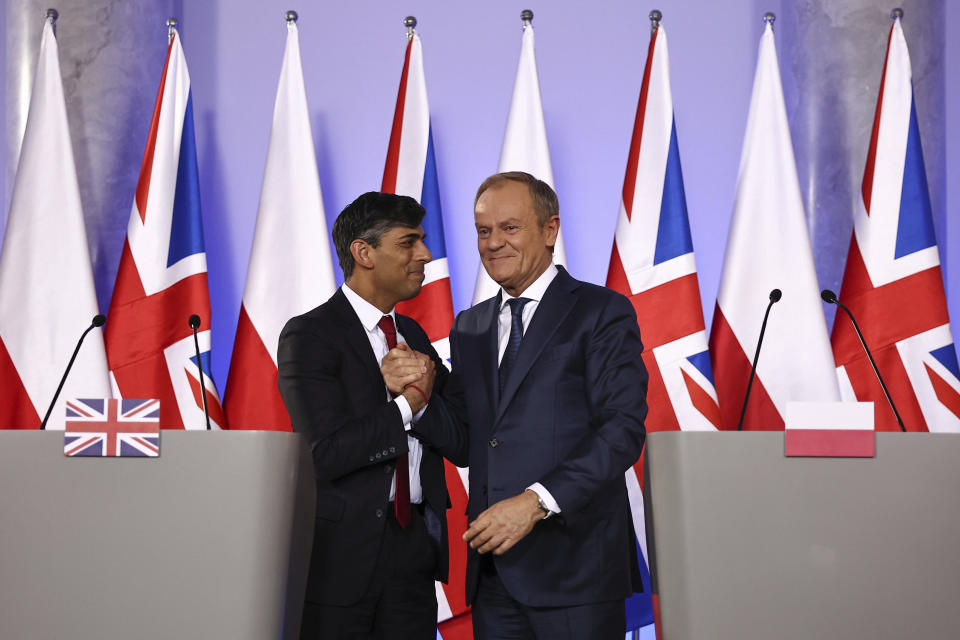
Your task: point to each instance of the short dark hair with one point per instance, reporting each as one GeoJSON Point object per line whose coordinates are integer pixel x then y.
{"type": "Point", "coordinates": [545, 202]}
{"type": "Point", "coordinates": [369, 217]}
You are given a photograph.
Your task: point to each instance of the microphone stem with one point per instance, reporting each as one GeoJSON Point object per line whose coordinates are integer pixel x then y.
{"type": "Point", "coordinates": [753, 369]}
{"type": "Point", "coordinates": [874, 365]}
{"type": "Point", "coordinates": [63, 380]}
{"type": "Point", "coordinates": [203, 387]}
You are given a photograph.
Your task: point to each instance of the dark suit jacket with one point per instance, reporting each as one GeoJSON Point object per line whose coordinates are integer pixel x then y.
{"type": "Point", "coordinates": [332, 387]}
{"type": "Point", "coordinates": [570, 417]}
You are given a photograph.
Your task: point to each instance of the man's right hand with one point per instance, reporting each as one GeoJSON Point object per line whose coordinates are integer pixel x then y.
{"type": "Point", "coordinates": [400, 367]}
{"type": "Point", "coordinates": [419, 391]}
{"type": "Point", "coordinates": [403, 367]}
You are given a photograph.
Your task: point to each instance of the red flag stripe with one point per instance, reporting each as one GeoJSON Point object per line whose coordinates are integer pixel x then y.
{"type": "Point", "coordinates": [731, 368]}
{"type": "Point", "coordinates": [630, 179]}
{"type": "Point", "coordinates": [393, 150]}
{"type": "Point", "coordinates": [252, 400]}
{"type": "Point", "coordinates": [146, 168]}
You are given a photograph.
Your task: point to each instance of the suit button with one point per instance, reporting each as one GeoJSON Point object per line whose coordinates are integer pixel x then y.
{"type": "Point", "coordinates": [385, 453]}
{"type": "Point", "coordinates": [393, 449]}
{"type": "Point", "coordinates": [378, 456]}
{"type": "Point", "coordinates": [494, 443]}
{"type": "Point", "coordinates": [379, 513]}
{"type": "Point", "coordinates": [372, 458]}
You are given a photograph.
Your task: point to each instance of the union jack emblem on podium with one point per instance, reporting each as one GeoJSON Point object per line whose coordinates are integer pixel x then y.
{"type": "Point", "coordinates": [104, 428]}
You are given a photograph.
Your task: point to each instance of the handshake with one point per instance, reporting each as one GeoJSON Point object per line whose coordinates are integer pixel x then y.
{"type": "Point", "coordinates": [409, 373]}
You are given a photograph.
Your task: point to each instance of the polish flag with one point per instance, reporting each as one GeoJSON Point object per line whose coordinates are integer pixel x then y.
{"type": "Point", "coordinates": [524, 144]}
{"type": "Point", "coordinates": [290, 269]}
{"type": "Point", "coordinates": [769, 248]}
{"type": "Point", "coordinates": [47, 296]}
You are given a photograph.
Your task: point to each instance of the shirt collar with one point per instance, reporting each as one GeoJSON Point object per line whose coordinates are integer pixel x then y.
{"type": "Point", "coordinates": [536, 290]}
{"type": "Point", "coordinates": [369, 315]}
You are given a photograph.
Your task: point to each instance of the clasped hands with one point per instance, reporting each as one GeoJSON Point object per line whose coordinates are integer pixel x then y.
{"type": "Point", "coordinates": [409, 373]}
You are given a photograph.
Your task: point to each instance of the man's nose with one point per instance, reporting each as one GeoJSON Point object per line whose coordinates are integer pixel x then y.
{"type": "Point", "coordinates": [495, 239]}
{"type": "Point", "coordinates": [424, 253]}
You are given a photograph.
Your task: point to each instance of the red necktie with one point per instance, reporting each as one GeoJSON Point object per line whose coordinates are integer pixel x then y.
{"type": "Point", "coordinates": [401, 499]}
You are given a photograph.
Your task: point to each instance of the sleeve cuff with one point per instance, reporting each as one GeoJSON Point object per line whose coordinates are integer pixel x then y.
{"type": "Point", "coordinates": [540, 490]}
{"type": "Point", "coordinates": [405, 412]}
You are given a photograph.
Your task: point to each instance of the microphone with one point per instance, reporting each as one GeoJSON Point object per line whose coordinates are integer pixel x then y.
{"type": "Point", "coordinates": [775, 296]}
{"type": "Point", "coordinates": [195, 324]}
{"type": "Point", "coordinates": [98, 321]}
{"type": "Point", "coordinates": [831, 297]}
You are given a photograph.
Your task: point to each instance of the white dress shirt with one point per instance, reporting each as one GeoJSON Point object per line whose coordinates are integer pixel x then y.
{"type": "Point", "coordinates": [369, 317]}
{"type": "Point", "coordinates": [534, 293]}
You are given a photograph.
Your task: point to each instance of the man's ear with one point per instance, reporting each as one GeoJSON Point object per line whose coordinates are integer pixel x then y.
{"type": "Point", "coordinates": [362, 254]}
{"type": "Point", "coordinates": [552, 230]}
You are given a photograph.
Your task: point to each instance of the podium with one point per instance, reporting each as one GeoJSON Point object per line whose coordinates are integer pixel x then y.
{"type": "Point", "coordinates": [211, 540]}
{"type": "Point", "coordinates": [745, 543]}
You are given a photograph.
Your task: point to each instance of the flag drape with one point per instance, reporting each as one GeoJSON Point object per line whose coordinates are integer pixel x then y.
{"type": "Point", "coordinates": [162, 279]}
{"type": "Point", "coordinates": [47, 295]}
{"type": "Point", "coordinates": [769, 248]}
{"type": "Point", "coordinates": [892, 282]}
{"type": "Point", "coordinates": [652, 263]}
{"type": "Point", "coordinates": [290, 269]}
{"type": "Point", "coordinates": [411, 170]}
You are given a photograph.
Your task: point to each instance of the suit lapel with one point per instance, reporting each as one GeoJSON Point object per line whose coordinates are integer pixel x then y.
{"type": "Point", "coordinates": [355, 335]}
{"type": "Point", "coordinates": [557, 302]}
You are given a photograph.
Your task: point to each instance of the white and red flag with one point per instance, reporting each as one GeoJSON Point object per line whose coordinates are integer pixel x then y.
{"type": "Point", "coordinates": [524, 144]}
{"type": "Point", "coordinates": [290, 268]}
{"type": "Point", "coordinates": [769, 248]}
{"type": "Point", "coordinates": [652, 263]}
{"type": "Point", "coordinates": [411, 170]}
{"type": "Point", "coordinates": [162, 279]}
{"type": "Point", "coordinates": [892, 283]}
{"type": "Point", "coordinates": [47, 296]}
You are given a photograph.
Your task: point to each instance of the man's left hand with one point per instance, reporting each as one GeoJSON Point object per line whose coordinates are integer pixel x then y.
{"type": "Point", "coordinates": [504, 524]}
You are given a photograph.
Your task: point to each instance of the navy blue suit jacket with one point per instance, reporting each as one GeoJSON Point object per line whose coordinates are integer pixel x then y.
{"type": "Point", "coordinates": [570, 417]}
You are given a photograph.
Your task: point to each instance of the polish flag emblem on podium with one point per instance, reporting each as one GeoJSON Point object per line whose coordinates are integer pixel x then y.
{"type": "Point", "coordinates": [829, 430]}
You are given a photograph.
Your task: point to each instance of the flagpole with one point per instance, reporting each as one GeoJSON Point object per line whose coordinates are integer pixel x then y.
{"type": "Point", "coordinates": [410, 22]}
{"type": "Point", "coordinates": [171, 29]}
{"type": "Point", "coordinates": [526, 17]}
{"type": "Point", "coordinates": [770, 17]}
{"type": "Point", "coordinates": [292, 16]}
{"type": "Point", "coordinates": [655, 17]}
{"type": "Point", "coordinates": [896, 14]}
{"type": "Point", "coordinates": [52, 15]}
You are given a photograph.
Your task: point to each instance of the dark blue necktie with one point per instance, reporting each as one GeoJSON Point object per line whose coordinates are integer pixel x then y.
{"type": "Point", "coordinates": [516, 335]}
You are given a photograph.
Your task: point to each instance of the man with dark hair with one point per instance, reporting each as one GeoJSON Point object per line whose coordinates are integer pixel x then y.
{"type": "Point", "coordinates": [380, 538]}
{"type": "Point", "coordinates": [549, 393]}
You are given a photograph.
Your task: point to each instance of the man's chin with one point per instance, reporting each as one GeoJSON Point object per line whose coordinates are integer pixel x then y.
{"type": "Point", "coordinates": [412, 295]}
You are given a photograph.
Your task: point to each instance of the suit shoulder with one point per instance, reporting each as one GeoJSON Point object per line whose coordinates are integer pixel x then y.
{"type": "Point", "coordinates": [316, 319]}
{"type": "Point", "coordinates": [601, 295]}
{"type": "Point", "coordinates": [472, 317]}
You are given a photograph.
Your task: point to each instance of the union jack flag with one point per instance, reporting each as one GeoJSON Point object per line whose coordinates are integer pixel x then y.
{"type": "Point", "coordinates": [112, 428]}
{"type": "Point", "coordinates": [162, 278]}
{"type": "Point", "coordinates": [652, 263]}
{"type": "Point", "coordinates": [892, 282]}
{"type": "Point", "coordinates": [411, 170]}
